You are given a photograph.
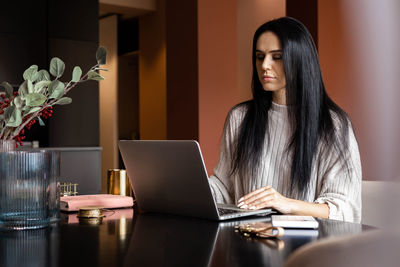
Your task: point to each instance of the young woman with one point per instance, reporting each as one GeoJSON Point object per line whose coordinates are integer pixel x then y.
{"type": "Point", "coordinates": [291, 147]}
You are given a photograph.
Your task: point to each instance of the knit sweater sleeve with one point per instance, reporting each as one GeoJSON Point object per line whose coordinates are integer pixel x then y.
{"type": "Point", "coordinates": [340, 182]}
{"type": "Point", "coordinates": [221, 181]}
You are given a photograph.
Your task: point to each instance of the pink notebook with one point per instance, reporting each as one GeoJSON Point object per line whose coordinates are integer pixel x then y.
{"type": "Point", "coordinates": [72, 203]}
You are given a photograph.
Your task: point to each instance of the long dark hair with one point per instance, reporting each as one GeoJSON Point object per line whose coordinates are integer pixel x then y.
{"type": "Point", "coordinates": [310, 108]}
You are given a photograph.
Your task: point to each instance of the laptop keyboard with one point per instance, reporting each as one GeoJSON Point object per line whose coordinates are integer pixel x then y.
{"type": "Point", "coordinates": [223, 211]}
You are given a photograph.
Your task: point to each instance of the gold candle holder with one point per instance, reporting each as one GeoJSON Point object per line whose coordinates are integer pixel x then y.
{"type": "Point", "coordinates": [118, 183]}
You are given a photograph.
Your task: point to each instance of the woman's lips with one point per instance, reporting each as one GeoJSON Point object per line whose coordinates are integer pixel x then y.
{"type": "Point", "coordinates": [268, 78]}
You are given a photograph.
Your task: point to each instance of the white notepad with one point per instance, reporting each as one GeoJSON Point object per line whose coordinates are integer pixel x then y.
{"type": "Point", "coordinates": [294, 221]}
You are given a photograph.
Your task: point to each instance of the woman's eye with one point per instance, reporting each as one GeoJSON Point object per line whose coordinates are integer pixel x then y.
{"type": "Point", "coordinates": [260, 56]}
{"type": "Point", "coordinates": [277, 56]}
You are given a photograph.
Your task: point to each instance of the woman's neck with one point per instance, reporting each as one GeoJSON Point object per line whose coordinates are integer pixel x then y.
{"type": "Point", "coordinates": [279, 96]}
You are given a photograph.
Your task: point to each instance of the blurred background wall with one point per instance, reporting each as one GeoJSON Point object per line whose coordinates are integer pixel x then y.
{"type": "Point", "coordinates": [358, 47]}
{"type": "Point", "coordinates": [178, 66]}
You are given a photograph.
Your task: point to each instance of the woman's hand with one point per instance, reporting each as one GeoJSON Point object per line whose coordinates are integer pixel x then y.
{"type": "Point", "coordinates": [265, 197]}
{"type": "Point", "coordinates": [268, 197]}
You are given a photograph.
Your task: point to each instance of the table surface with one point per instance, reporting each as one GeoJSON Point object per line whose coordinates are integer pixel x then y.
{"type": "Point", "coordinates": [126, 238]}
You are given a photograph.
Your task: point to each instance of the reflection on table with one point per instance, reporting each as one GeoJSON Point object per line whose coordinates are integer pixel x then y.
{"type": "Point", "coordinates": [125, 238]}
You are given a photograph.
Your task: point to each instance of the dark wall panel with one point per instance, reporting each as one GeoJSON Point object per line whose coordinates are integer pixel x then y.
{"type": "Point", "coordinates": [128, 35]}
{"type": "Point", "coordinates": [76, 124]}
{"type": "Point", "coordinates": [74, 19]}
{"type": "Point", "coordinates": [73, 36]}
{"type": "Point", "coordinates": [305, 11]}
{"type": "Point", "coordinates": [182, 70]}
{"type": "Point", "coordinates": [23, 38]}
{"type": "Point", "coordinates": [128, 96]}
{"type": "Point", "coordinates": [18, 52]}
{"type": "Point", "coordinates": [23, 16]}
{"type": "Point", "coordinates": [32, 32]}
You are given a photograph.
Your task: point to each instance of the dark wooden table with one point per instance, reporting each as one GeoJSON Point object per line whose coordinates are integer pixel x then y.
{"type": "Point", "coordinates": [129, 239]}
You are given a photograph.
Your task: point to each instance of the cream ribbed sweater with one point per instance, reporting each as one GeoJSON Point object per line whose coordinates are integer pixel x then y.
{"type": "Point", "coordinates": [330, 182]}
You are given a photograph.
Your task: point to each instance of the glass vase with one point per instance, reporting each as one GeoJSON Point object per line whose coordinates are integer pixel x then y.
{"type": "Point", "coordinates": [29, 189]}
{"type": "Point", "coordinates": [7, 145]}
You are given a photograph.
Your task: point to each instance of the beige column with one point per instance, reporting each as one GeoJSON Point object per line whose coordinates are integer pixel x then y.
{"type": "Point", "coordinates": [108, 93]}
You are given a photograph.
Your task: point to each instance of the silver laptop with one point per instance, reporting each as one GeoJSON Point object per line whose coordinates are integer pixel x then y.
{"type": "Point", "coordinates": [170, 177]}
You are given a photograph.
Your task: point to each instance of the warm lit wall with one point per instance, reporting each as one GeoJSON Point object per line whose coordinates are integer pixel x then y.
{"type": "Point", "coordinates": [225, 33]}
{"type": "Point", "coordinates": [131, 7]}
{"type": "Point", "coordinates": [108, 98]}
{"type": "Point", "coordinates": [152, 75]}
{"type": "Point", "coordinates": [337, 62]}
{"type": "Point", "coordinates": [360, 61]}
{"type": "Point", "coordinates": [218, 70]}
{"type": "Point", "coordinates": [251, 14]}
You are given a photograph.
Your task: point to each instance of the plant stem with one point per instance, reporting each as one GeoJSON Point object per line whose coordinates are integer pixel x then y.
{"type": "Point", "coordinates": [22, 126]}
{"type": "Point", "coordinates": [82, 79]}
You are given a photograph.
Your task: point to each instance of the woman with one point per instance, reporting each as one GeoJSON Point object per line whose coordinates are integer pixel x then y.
{"type": "Point", "coordinates": [290, 148]}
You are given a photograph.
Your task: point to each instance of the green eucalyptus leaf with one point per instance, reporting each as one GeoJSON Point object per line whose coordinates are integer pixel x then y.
{"type": "Point", "coordinates": [35, 76]}
{"type": "Point", "coordinates": [53, 85]}
{"type": "Point", "coordinates": [15, 118]}
{"type": "Point", "coordinates": [19, 102]}
{"type": "Point", "coordinates": [41, 123]}
{"type": "Point", "coordinates": [7, 112]}
{"type": "Point", "coordinates": [31, 73]}
{"type": "Point", "coordinates": [32, 110]}
{"type": "Point", "coordinates": [57, 90]}
{"type": "Point", "coordinates": [39, 86]}
{"type": "Point", "coordinates": [35, 99]}
{"type": "Point", "coordinates": [8, 89]}
{"type": "Point", "coordinates": [43, 75]}
{"type": "Point", "coordinates": [92, 75]}
{"type": "Point", "coordinates": [30, 86]}
{"type": "Point", "coordinates": [57, 67]}
{"type": "Point", "coordinates": [23, 89]}
{"type": "Point", "coordinates": [63, 101]}
{"type": "Point", "coordinates": [76, 74]}
{"type": "Point", "coordinates": [101, 55]}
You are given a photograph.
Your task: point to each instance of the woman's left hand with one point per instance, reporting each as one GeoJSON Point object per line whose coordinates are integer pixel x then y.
{"type": "Point", "coordinates": [265, 197]}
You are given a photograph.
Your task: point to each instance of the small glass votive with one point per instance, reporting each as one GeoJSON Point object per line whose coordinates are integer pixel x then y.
{"type": "Point", "coordinates": [118, 183]}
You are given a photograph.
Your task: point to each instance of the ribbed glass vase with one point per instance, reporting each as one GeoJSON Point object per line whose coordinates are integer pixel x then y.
{"type": "Point", "coordinates": [29, 189]}
{"type": "Point", "coordinates": [7, 145]}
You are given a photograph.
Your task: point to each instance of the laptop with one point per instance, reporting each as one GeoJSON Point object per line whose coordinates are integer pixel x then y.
{"type": "Point", "coordinates": [170, 177]}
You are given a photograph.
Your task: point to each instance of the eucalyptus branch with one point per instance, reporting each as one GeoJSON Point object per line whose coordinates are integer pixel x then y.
{"type": "Point", "coordinates": [22, 126]}
{"type": "Point", "coordinates": [82, 79]}
{"type": "Point", "coordinates": [8, 131]}
{"type": "Point", "coordinates": [2, 130]}
{"type": "Point", "coordinates": [38, 94]}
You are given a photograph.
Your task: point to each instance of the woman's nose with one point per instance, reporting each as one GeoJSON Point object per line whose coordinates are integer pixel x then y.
{"type": "Point", "coordinates": [266, 65]}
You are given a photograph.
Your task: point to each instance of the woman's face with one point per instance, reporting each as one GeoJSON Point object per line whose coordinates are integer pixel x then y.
{"type": "Point", "coordinates": [269, 63]}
